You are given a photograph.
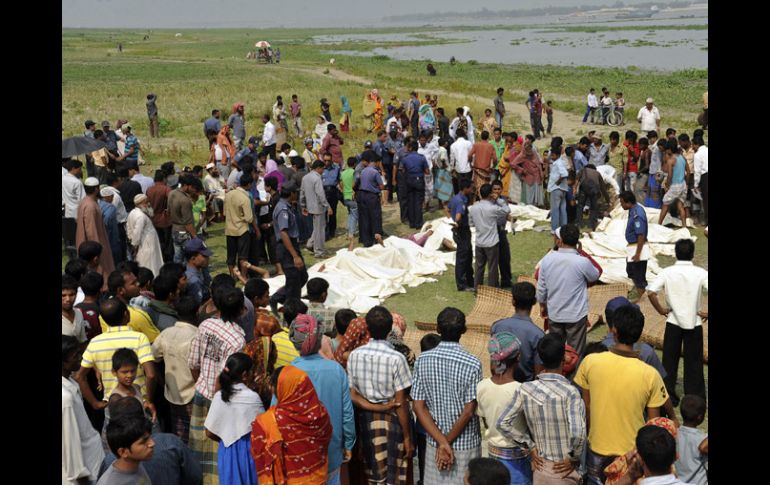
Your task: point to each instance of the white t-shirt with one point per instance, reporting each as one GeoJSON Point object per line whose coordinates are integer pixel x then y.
{"type": "Point", "coordinates": [701, 163]}
{"type": "Point", "coordinates": [683, 283]}
{"type": "Point", "coordinates": [72, 192]}
{"type": "Point", "coordinates": [82, 451]}
{"type": "Point", "coordinates": [592, 102]}
{"type": "Point", "coordinates": [75, 329]}
{"type": "Point", "coordinates": [458, 155]}
{"type": "Point", "coordinates": [492, 400]}
{"type": "Point", "coordinates": [649, 118]}
{"type": "Point", "coordinates": [218, 152]}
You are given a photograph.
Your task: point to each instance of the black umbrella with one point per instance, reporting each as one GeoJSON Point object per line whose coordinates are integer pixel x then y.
{"type": "Point", "coordinates": [78, 145]}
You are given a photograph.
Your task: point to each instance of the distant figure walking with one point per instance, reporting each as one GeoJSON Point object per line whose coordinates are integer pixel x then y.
{"type": "Point", "coordinates": [278, 56]}
{"type": "Point", "coordinates": [452, 60]}
{"type": "Point", "coordinates": [120, 47]}
{"type": "Point", "coordinates": [431, 70]}
{"type": "Point", "coordinates": [152, 115]}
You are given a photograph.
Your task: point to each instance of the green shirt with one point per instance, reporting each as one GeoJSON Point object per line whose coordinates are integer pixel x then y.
{"type": "Point", "coordinates": [499, 149]}
{"type": "Point", "coordinates": [347, 183]}
{"type": "Point", "coordinates": [198, 207]}
{"type": "Point", "coordinates": [618, 157]}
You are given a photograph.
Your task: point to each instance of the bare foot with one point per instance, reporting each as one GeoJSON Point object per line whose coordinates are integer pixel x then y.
{"type": "Point", "coordinates": [322, 268]}
{"type": "Point", "coordinates": [378, 239]}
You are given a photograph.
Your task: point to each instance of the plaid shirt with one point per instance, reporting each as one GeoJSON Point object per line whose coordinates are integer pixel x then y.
{"type": "Point", "coordinates": [377, 371]}
{"type": "Point", "coordinates": [323, 314]}
{"type": "Point", "coordinates": [215, 341]}
{"type": "Point", "coordinates": [555, 415]}
{"type": "Point", "coordinates": [446, 379]}
{"type": "Point", "coordinates": [267, 325]}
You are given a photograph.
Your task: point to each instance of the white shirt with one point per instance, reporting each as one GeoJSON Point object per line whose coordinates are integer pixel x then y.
{"type": "Point", "coordinates": [391, 120]}
{"type": "Point", "coordinates": [75, 329]}
{"type": "Point", "coordinates": [592, 102]}
{"type": "Point", "coordinates": [430, 152]}
{"type": "Point", "coordinates": [701, 163]}
{"type": "Point", "coordinates": [682, 283]}
{"type": "Point", "coordinates": [72, 192]}
{"type": "Point", "coordinates": [144, 181]}
{"type": "Point", "coordinates": [214, 185]}
{"type": "Point", "coordinates": [458, 156]}
{"type": "Point", "coordinates": [120, 208]}
{"type": "Point", "coordinates": [268, 136]}
{"type": "Point", "coordinates": [662, 480]}
{"type": "Point", "coordinates": [606, 101]}
{"type": "Point", "coordinates": [649, 118]}
{"type": "Point", "coordinates": [81, 446]}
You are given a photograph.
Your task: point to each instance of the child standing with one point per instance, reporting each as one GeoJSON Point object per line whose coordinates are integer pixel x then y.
{"type": "Point", "coordinates": [130, 441]}
{"type": "Point", "coordinates": [125, 363]}
{"type": "Point", "coordinates": [692, 445]}
{"type": "Point", "coordinates": [342, 320]}
{"type": "Point", "coordinates": [549, 116]}
{"type": "Point", "coordinates": [620, 104]}
{"type": "Point", "coordinates": [232, 411]}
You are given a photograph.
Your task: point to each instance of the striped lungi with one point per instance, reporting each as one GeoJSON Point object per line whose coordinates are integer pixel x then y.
{"type": "Point", "coordinates": [205, 449]}
{"type": "Point", "coordinates": [382, 440]}
{"type": "Point", "coordinates": [454, 475]}
{"type": "Point", "coordinates": [180, 420]}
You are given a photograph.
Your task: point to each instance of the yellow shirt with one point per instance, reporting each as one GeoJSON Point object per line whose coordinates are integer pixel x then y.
{"type": "Point", "coordinates": [618, 158]}
{"type": "Point", "coordinates": [99, 352]}
{"type": "Point", "coordinates": [238, 212]}
{"type": "Point", "coordinates": [285, 348]}
{"type": "Point", "coordinates": [138, 321]}
{"type": "Point", "coordinates": [620, 390]}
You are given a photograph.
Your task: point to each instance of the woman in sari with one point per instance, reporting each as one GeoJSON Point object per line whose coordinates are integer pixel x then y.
{"type": "Point", "coordinates": [378, 110]}
{"type": "Point", "coordinates": [504, 167]}
{"type": "Point", "coordinates": [442, 184]}
{"type": "Point", "coordinates": [227, 147]}
{"type": "Point", "coordinates": [263, 354]}
{"type": "Point", "coordinates": [346, 114]}
{"type": "Point", "coordinates": [321, 127]}
{"type": "Point", "coordinates": [290, 441]}
{"type": "Point", "coordinates": [529, 168]}
{"type": "Point", "coordinates": [427, 120]}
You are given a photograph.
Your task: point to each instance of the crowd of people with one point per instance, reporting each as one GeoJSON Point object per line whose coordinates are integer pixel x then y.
{"type": "Point", "coordinates": [170, 375]}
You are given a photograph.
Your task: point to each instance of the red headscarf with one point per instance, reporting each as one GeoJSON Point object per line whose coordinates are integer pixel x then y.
{"type": "Point", "coordinates": [290, 441]}
{"type": "Point", "coordinates": [236, 106]}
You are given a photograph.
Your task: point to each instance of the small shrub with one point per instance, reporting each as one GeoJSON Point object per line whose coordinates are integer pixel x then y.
{"type": "Point", "coordinates": [473, 62]}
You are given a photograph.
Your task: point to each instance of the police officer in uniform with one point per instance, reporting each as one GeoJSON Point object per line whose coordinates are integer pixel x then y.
{"type": "Point", "coordinates": [285, 224]}
{"type": "Point", "coordinates": [368, 188]}
{"type": "Point", "coordinates": [457, 209]}
{"type": "Point", "coordinates": [416, 168]}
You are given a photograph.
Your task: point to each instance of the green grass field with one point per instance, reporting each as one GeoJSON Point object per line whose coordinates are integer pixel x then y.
{"type": "Point", "coordinates": [206, 69]}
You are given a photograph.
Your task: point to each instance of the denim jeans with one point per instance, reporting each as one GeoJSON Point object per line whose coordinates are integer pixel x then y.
{"type": "Point", "coordinates": [179, 239]}
{"type": "Point", "coordinates": [520, 470]}
{"type": "Point", "coordinates": [352, 207]}
{"type": "Point", "coordinates": [499, 120]}
{"type": "Point", "coordinates": [595, 465]}
{"type": "Point", "coordinates": [558, 209]}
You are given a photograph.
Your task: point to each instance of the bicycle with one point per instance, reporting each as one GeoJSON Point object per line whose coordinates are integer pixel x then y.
{"type": "Point", "coordinates": [614, 117]}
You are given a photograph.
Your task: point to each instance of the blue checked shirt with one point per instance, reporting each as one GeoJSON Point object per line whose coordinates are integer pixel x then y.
{"type": "Point", "coordinates": [555, 416]}
{"type": "Point", "coordinates": [446, 379]}
{"type": "Point", "coordinates": [377, 371]}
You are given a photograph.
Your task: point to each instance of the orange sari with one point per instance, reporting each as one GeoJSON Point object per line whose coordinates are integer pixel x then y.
{"type": "Point", "coordinates": [290, 441]}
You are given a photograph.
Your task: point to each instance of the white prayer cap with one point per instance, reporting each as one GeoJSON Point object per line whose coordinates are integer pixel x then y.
{"type": "Point", "coordinates": [293, 153]}
{"type": "Point", "coordinates": [107, 192]}
{"type": "Point", "coordinates": [91, 182]}
{"type": "Point", "coordinates": [139, 198]}
{"type": "Point", "coordinates": [649, 100]}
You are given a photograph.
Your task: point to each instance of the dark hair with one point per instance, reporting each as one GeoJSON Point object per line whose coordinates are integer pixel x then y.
{"type": "Point", "coordinates": [317, 164]}
{"type": "Point", "coordinates": [485, 135]}
{"type": "Point", "coordinates": [230, 304]}
{"type": "Point", "coordinates": [657, 448]}
{"type": "Point", "coordinates": [487, 471]}
{"type": "Point", "coordinates": [91, 283]}
{"type": "Point", "coordinates": [110, 178]}
{"type": "Point", "coordinates": [164, 286]}
{"type": "Point", "coordinates": [291, 308]}
{"type": "Point", "coordinates": [693, 408]}
{"type": "Point", "coordinates": [429, 341]}
{"type": "Point", "coordinates": [177, 270]}
{"type": "Point", "coordinates": [530, 137]}
{"type": "Point", "coordinates": [187, 308]}
{"type": "Point", "coordinates": [352, 161]}
{"type": "Point", "coordinates": [523, 295]}
{"type": "Point", "coordinates": [672, 145]}
{"type": "Point", "coordinates": [569, 234]}
{"type": "Point", "coordinates": [485, 190]}
{"type": "Point", "coordinates": [594, 348]}
{"type": "Point", "coordinates": [569, 151]}
{"type": "Point", "coordinates": [414, 146]}
{"type": "Point", "coordinates": [629, 323]}
{"type": "Point", "coordinates": [342, 320]}
{"type": "Point", "coordinates": [497, 182]}
{"type": "Point", "coordinates": [72, 164]}
{"type": "Point", "coordinates": [255, 287]}
{"type": "Point", "coordinates": [379, 321]}
{"type": "Point", "coordinates": [69, 345]}
{"type": "Point", "coordinates": [112, 311]}
{"type": "Point", "coordinates": [123, 432]}
{"type": "Point", "coordinates": [669, 132]}
{"type": "Point", "coordinates": [556, 142]}
{"type": "Point", "coordinates": [631, 135]}
{"type": "Point", "coordinates": [698, 132]}
{"type": "Point", "coordinates": [88, 250]}
{"type": "Point", "coordinates": [460, 133]}
{"type": "Point", "coordinates": [465, 183]}
{"type": "Point", "coordinates": [652, 134]}
{"type": "Point", "coordinates": [316, 287]}
{"type": "Point", "coordinates": [499, 90]}
{"type": "Point", "coordinates": [246, 180]}
{"type": "Point", "coordinates": [124, 358]}
{"type": "Point", "coordinates": [271, 182]}
{"type": "Point", "coordinates": [584, 141]}
{"type": "Point", "coordinates": [144, 276]}
{"type": "Point", "coordinates": [159, 176]}
{"type": "Point", "coordinates": [285, 146]}
{"type": "Point", "coordinates": [222, 280]}
{"type": "Point", "coordinates": [662, 143]}
{"type": "Point", "coordinates": [684, 137]}
{"type": "Point", "coordinates": [698, 140]}
{"type": "Point", "coordinates": [114, 281]}
{"type": "Point", "coordinates": [684, 249]}
{"type": "Point", "coordinates": [628, 197]}
{"type": "Point", "coordinates": [128, 267]}
{"type": "Point", "coordinates": [614, 135]}
{"type": "Point", "coordinates": [69, 282]}
{"type": "Point", "coordinates": [236, 365]}
{"type": "Point", "coordinates": [551, 349]}
{"type": "Point", "coordinates": [451, 324]}
{"type": "Point", "coordinates": [644, 141]}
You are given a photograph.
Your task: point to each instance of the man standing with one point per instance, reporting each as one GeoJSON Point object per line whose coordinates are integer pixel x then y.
{"type": "Point", "coordinates": [443, 124]}
{"type": "Point", "coordinates": [591, 106]}
{"type": "Point", "coordinates": [702, 174]}
{"type": "Point", "coordinates": [446, 407]}
{"type": "Point", "coordinates": [268, 137]}
{"type": "Point", "coordinates": [557, 188]}
{"type": "Point", "coordinates": [369, 208]}
{"type": "Point", "coordinates": [152, 114]}
{"type": "Point", "coordinates": [109, 216]}
{"type": "Point", "coordinates": [483, 159]}
{"type": "Point", "coordinates": [330, 178]}
{"type": "Point", "coordinates": [90, 225]}
{"type": "Point", "coordinates": [71, 194]}
{"type": "Point", "coordinates": [158, 197]}
{"type": "Point", "coordinates": [237, 124]}
{"type": "Point", "coordinates": [504, 248]}
{"type": "Point", "coordinates": [457, 210]}
{"type": "Point", "coordinates": [415, 168]}
{"type": "Point", "coordinates": [499, 108]}
{"type": "Point", "coordinates": [332, 144]}
{"type": "Point", "coordinates": [636, 237]}
{"type": "Point", "coordinates": [649, 116]}
{"type": "Point", "coordinates": [90, 129]}
{"type": "Point", "coordinates": [555, 416]}
{"type": "Point", "coordinates": [180, 209]}
{"type": "Point", "coordinates": [617, 158]}
{"type": "Point", "coordinates": [239, 216]}
{"type": "Point", "coordinates": [683, 283]}
{"type": "Point", "coordinates": [145, 246]}
{"type": "Point", "coordinates": [144, 181]}
{"type": "Point", "coordinates": [459, 160]}
{"type": "Point", "coordinates": [597, 152]}
{"type": "Point", "coordinates": [562, 289]}
{"type": "Point", "coordinates": [313, 201]}
{"type": "Point", "coordinates": [287, 232]}
{"type": "Point", "coordinates": [414, 113]}
{"type": "Point", "coordinates": [296, 115]}
{"type": "Point", "coordinates": [212, 124]}
{"type": "Point", "coordinates": [484, 217]}
{"type": "Point", "coordinates": [197, 255]}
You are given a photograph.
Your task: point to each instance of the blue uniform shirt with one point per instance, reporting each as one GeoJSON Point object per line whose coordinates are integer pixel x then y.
{"type": "Point", "coordinates": [637, 224]}
{"type": "Point", "coordinates": [331, 175]}
{"type": "Point", "coordinates": [284, 218]}
{"type": "Point", "coordinates": [415, 164]}
{"type": "Point", "coordinates": [370, 180]}
{"type": "Point", "coordinates": [459, 205]}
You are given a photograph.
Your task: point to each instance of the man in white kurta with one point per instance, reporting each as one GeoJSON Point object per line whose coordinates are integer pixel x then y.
{"type": "Point", "coordinates": [145, 244]}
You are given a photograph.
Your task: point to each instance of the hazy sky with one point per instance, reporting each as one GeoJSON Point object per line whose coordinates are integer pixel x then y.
{"type": "Point", "coordinates": [273, 13]}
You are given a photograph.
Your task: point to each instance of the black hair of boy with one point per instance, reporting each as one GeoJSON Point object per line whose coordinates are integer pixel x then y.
{"type": "Point", "coordinates": [88, 250]}
{"type": "Point", "coordinates": [113, 312]}
{"type": "Point", "coordinates": [628, 197]}
{"type": "Point", "coordinates": [629, 323]}
{"type": "Point", "coordinates": [487, 471]}
{"type": "Point", "coordinates": [429, 342]}
{"type": "Point", "coordinates": [657, 448]}
{"type": "Point", "coordinates": [177, 270]}
{"type": "Point", "coordinates": [594, 348]}
{"type": "Point", "coordinates": [124, 358]}
{"type": "Point", "coordinates": [693, 409]}
{"type": "Point", "coordinates": [551, 349]}
{"type": "Point", "coordinates": [291, 308]}
{"type": "Point", "coordinates": [144, 276]}
{"type": "Point", "coordinates": [236, 365]}
{"type": "Point", "coordinates": [316, 287]}
{"type": "Point", "coordinates": [230, 304]}
{"type": "Point", "coordinates": [69, 283]}
{"type": "Point", "coordinates": [115, 281]}
{"type": "Point", "coordinates": [164, 286]}
{"type": "Point", "coordinates": [187, 309]}
{"type": "Point", "coordinates": [255, 288]}
{"type": "Point", "coordinates": [451, 324]}
{"type": "Point", "coordinates": [69, 345]}
{"type": "Point", "coordinates": [342, 320]}
{"type": "Point", "coordinates": [129, 267]}
{"type": "Point", "coordinates": [570, 234]}
{"type": "Point", "coordinates": [91, 283]}
{"type": "Point", "coordinates": [684, 249]}
{"type": "Point", "coordinates": [76, 268]}
{"type": "Point", "coordinates": [379, 321]}
{"type": "Point", "coordinates": [124, 432]}
{"type": "Point", "coordinates": [523, 295]}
